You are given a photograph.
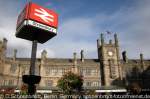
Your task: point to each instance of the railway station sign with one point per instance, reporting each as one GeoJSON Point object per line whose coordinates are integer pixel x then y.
{"type": "Point", "coordinates": [37, 23]}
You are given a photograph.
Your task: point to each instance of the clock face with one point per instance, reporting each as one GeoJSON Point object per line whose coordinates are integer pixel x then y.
{"type": "Point", "coordinates": [110, 53]}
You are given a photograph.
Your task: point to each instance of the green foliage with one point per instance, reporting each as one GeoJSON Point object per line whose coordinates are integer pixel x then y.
{"type": "Point", "coordinates": [70, 83]}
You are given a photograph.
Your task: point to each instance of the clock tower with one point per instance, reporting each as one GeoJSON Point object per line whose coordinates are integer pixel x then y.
{"type": "Point", "coordinates": [108, 54]}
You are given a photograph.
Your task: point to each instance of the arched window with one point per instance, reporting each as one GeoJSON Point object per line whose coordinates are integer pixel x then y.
{"type": "Point", "coordinates": [13, 68]}
{"type": "Point", "coordinates": [49, 83]}
{"type": "Point", "coordinates": [112, 68]}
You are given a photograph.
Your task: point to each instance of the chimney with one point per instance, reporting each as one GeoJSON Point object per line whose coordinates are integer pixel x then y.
{"type": "Point", "coordinates": [15, 54]}
{"type": "Point", "coordinates": [82, 55]}
{"type": "Point", "coordinates": [124, 56]}
{"type": "Point", "coordinates": [75, 57]}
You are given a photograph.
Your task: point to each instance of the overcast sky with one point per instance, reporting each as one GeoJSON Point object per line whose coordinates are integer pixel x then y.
{"type": "Point", "coordinates": [80, 24]}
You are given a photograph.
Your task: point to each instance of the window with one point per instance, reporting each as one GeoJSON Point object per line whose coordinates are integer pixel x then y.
{"type": "Point", "coordinates": [48, 71]}
{"type": "Point", "coordinates": [25, 69]}
{"type": "Point", "coordinates": [49, 83]}
{"type": "Point", "coordinates": [54, 71]}
{"type": "Point", "coordinates": [88, 84]}
{"type": "Point", "coordinates": [13, 68]}
{"type": "Point", "coordinates": [5, 82]}
{"type": "Point", "coordinates": [1, 82]}
{"type": "Point", "coordinates": [94, 72]}
{"type": "Point", "coordinates": [60, 71]}
{"type": "Point", "coordinates": [88, 71]}
{"type": "Point", "coordinates": [63, 71]}
{"type": "Point", "coordinates": [82, 72]}
{"type": "Point", "coordinates": [95, 83]}
{"type": "Point", "coordinates": [11, 82]}
{"type": "Point", "coordinates": [91, 84]}
{"type": "Point", "coordinates": [36, 71]}
{"type": "Point", "coordinates": [112, 69]}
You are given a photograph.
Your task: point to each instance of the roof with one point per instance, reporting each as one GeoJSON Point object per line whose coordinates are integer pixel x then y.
{"type": "Point", "coordinates": [130, 63]}
{"type": "Point", "coordinates": [59, 60]}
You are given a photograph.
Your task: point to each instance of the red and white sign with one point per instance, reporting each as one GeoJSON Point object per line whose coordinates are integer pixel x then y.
{"type": "Point", "coordinates": [43, 15]}
{"type": "Point", "coordinates": [39, 14]}
{"type": "Point", "coordinates": [22, 16]}
{"type": "Point", "coordinates": [37, 23]}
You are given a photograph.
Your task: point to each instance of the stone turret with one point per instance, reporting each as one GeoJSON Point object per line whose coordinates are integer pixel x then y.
{"type": "Point", "coordinates": [98, 43]}
{"type": "Point", "coordinates": [142, 62]}
{"type": "Point", "coordinates": [75, 58]}
{"type": "Point", "coordinates": [109, 57]}
{"type": "Point", "coordinates": [98, 46]}
{"type": "Point", "coordinates": [43, 62]}
{"type": "Point", "coordinates": [15, 54]}
{"type": "Point", "coordinates": [102, 39]}
{"type": "Point", "coordinates": [116, 39]}
{"type": "Point", "coordinates": [82, 55]}
{"type": "Point", "coordinates": [5, 43]}
{"type": "Point", "coordinates": [3, 48]}
{"type": "Point", "coordinates": [44, 55]}
{"type": "Point", "coordinates": [110, 41]}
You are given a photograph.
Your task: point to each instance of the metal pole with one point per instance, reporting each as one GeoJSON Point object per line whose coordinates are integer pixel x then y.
{"type": "Point", "coordinates": [32, 87]}
{"type": "Point", "coordinates": [32, 79]}
{"type": "Point", "coordinates": [33, 57]}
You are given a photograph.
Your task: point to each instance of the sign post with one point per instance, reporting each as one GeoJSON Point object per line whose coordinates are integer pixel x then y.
{"type": "Point", "coordinates": [37, 24]}
{"type": "Point", "coordinates": [32, 88]}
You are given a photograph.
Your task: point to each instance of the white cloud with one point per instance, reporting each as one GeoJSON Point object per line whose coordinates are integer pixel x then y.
{"type": "Point", "coordinates": [135, 30]}
{"type": "Point", "coordinates": [131, 23]}
{"type": "Point", "coordinates": [8, 10]}
{"type": "Point", "coordinates": [74, 35]}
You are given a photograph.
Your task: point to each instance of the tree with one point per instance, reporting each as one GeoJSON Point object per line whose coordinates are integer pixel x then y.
{"type": "Point", "coordinates": [135, 88]}
{"type": "Point", "coordinates": [70, 83]}
{"type": "Point", "coordinates": [24, 89]}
